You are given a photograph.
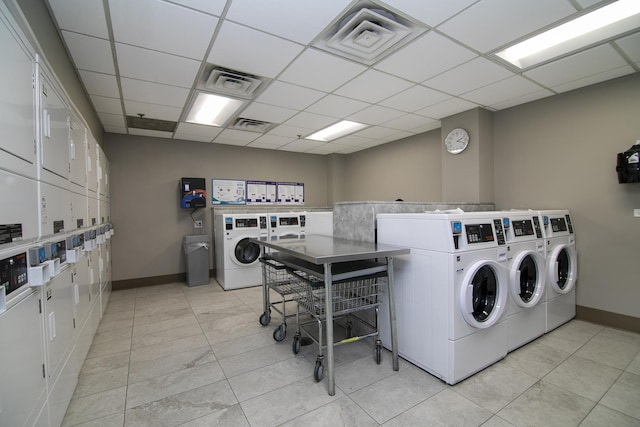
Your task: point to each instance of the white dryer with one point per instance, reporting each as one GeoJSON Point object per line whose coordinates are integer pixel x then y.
{"type": "Point", "coordinates": [450, 292]}
{"type": "Point", "coordinates": [561, 267]}
{"type": "Point", "coordinates": [320, 223]}
{"type": "Point", "coordinates": [526, 315]}
{"type": "Point", "coordinates": [287, 225]}
{"type": "Point", "coordinates": [237, 259]}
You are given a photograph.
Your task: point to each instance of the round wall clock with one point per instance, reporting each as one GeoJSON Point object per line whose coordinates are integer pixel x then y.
{"type": "Point", "coordinates": [456, 141]}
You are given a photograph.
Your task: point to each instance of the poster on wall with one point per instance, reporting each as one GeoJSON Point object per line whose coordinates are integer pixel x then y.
{"type": "Point", "coordinates": [272, 191]}
{"type": "Point", "coordinates": [256, 192]}
{"type": "Point", "coordinates": [290, 193]}
{"type": "Point", "coordinates": [228, 192]}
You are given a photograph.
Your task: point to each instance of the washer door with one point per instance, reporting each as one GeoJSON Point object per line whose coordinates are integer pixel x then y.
{"type": "Point", "coordinates": [527, 278]}
{"type": "Point", "coordinates": [244, 252]}
{"type": "Point", "coordinates": [484, 294]}
{"type": "Point", "coordinates": [562, 269]}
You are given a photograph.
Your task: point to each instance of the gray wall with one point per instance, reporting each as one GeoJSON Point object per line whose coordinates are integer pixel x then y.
{"type": "Point", "coordinates": [409, 169]}
{"type": "Point", "coordinates": [145, 208]}
{"type": "Point", "coordinates": [560, 152]}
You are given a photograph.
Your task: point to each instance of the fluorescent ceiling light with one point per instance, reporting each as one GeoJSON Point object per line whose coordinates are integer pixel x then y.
{"type": "Point", "coordinates": [212, 110]}
{"type": "Point", "coordinates": [601, 24]}
{"type": "Point", "coordinates": [332, 132]}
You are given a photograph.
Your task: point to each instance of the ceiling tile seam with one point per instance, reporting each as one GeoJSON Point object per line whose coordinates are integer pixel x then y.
{"type": "Point", "coordinates": [112, 44]}
{"type": "Point", "coordinates": [184, 6]}
{"type": "Point", "coordinates": [624, 55]}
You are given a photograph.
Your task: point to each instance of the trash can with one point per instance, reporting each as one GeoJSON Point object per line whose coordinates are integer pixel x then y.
{"type": "Point", "coordinates": [196, 251]}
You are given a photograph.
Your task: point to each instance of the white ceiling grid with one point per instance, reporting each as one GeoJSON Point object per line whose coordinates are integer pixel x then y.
{"type": "Point", "coordinates": [147, 56]}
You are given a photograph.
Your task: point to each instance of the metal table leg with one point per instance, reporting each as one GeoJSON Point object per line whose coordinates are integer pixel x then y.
{"type": "Point", "coordinates": [392, 315]}
{"type": "Point", "coordinates": [329, 316]}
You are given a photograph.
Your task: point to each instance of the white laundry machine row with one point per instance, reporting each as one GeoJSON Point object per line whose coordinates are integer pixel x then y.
{"type": "Point", "coordinates": [238, 259]}
{"type": "Point", "coordinates": [561, 267]}
{"type": "Point", "coordinates": [287, 225]}
{"type": "Point", "coordinates": [451, 292]}
{"type": "Point", "coordinates": [526, 310]}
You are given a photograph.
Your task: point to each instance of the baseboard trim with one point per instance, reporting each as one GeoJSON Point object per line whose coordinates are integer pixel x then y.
{"type": "Point", "coordinates": [607, 318]}
{"type": "Point", "coordinates": [120, 285]}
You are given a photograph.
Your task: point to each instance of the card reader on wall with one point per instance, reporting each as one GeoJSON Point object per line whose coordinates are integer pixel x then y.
{"type": "Point", "coordinates": [193, 193]}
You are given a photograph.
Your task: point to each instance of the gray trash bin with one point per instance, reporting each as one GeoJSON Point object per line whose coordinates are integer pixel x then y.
{"type": "Point", "coordinates": [196, 251]}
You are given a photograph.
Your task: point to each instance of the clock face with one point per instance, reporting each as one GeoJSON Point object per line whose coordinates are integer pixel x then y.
{"type": "Point", "coordinates": [456, 141]}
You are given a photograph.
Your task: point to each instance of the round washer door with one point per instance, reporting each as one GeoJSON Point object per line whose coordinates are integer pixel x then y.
{"type": "Point", "coordinates": [562, 268]}
{"type": "Point", "coordinates": [484, 293]}
{"type": "Point", "coordinates": [244, 252]}
{"type": "Point", "coordinates": [527, 278]}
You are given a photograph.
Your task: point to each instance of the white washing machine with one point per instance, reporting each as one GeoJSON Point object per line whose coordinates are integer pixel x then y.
{"type": "Point", "coordinates": [561, 267]}
{"type": "Point", "coordinates": [526, 311]}
{"type": "Point", "coordinates": [320, 223]}
{"type": "Point", "coordinates": [237, 259]}
{"type": "Point", "coordinates": [450, 292]}
{"type": "Point", "coordinates": [287, 225]}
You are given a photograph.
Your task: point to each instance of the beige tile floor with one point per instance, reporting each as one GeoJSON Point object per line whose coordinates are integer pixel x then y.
{"type": "Point", "coordinates": [172, 355]}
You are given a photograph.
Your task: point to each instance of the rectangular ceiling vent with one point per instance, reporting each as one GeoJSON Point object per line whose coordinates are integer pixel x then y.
{"type": "Point", "coordinates": [229, 82]}
{"type": "Point", "coordinates": [367, 33]}
{"type": "Point", "coordinates": [251, 125]}
{"type": "Point", "coordinates": [151, 124]}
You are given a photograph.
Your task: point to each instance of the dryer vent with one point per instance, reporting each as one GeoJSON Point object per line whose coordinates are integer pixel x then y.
{"type": "Point", "coordinates": [151, 124]}
{"type": "Point", "coordinates": [367, 32]}
{"type": "Point", "coordinates": [251, 125]}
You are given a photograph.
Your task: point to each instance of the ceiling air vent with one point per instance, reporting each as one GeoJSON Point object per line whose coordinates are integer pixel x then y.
{"type": "Point", "coordinates": [229, 82]}
{"type": "Point", "coordinates": [251, 125]}
{"type": "Point", "coordinates": [150, 124]}
{"type": "Point", "coordinates": [367, 33]}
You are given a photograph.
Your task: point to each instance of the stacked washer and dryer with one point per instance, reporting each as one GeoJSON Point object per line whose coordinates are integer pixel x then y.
{"type": "Point", "coordinates": [473, 287]}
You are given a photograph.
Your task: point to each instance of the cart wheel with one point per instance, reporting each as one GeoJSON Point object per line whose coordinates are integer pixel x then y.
{"type": "Point", "coordinates": [378, 352]}
{"type": "Point", "coordinates": [265, 318]}
{"type": "Point", "coordinates": [280, 333]}
{"type": "Point", "coordinates": [318, 372]}
{"type": "Point", "coordinates": [295, 347]}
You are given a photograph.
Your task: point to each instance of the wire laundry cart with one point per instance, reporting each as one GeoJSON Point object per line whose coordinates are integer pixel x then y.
{"type": "Point", "coordinates": [275, 277]}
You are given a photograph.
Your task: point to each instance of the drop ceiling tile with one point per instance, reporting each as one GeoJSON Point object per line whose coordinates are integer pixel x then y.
{"type": "Point", "coordinates": [112, 120]}
{"type": "Point", "coordinates": [372, 86]}
{"type": "Point", "coordinates": [333, 148]}
{"type": "Point", "coordinates": [152, 111]}
{"type": "Point", "coordinates": [431, 13]}
{"type": "Point", "coordinates": [375, 114]}
{"type": "Point", "coordinates": [302, 145]}
{"type": "Point", "coordinates": [270, 141]}
{"type": "Point", "coordinates": [522, 99]}
{"type": "Point", "coordinates": [291, 19]}
{"type": "Point", "coordinates": [214, 7]}
{"type": "Point", "coordinates": [289, 96]}
{"type": "Point", "coordinates": [267, 113]}
{"type": "Point", "coordinates": [100, 84]}
{"type": "Point", "coordinates": [398, 135]}
{"type": "Point", "coordinates": [115, 129]}
{"type": "Point", "coordinates": [310, 120]}
{"type": "Point", "coordinates": [595, 78]}
{"type": "Point", "coordinates": [469, 76]}
{"type": "Point", "coordinates": [319, 70]}
{"type": "Point", "coordinates": [158, 67]}
{"type": "Point", "coordinates": [581, 65]}
{"type": "Point", "coordinates": [353, 140]}
{"type": "Point", "coordinates": [162, 26]}
{"type": "Point", "coordinates": [293, 132]}
{"type": "Point", "coordinates": [376, 132]}
{"type": "Point", "coordinates": [587, 3]}
{"type": "Point", "coordinates": [90, 53]}
{"type": "Point", "coordinates": [447, 108]}
{"type": "Point", "coordinates": [148, 132]}
{"type": "Point", "coordinates": [337, 106]}
{"type": "Point", "coordinates": [84, 17]}
{"type": "Point", "coordinates": [505, 90]}
{"type": "Point", "coordinates": [102, 104]}
{"type": "Point", "coordinates": [251, 51]}
{"type": "Point", "coordinates": [436, 124]}
{"type": "Point", "coordinates": [416, 62]}
{"type": "Point", "coordinates": [242, 137]}
{"type": "Point", "coordinates": [409, 123]}
{"type": "Point", "coordinates": [154, 93]}
{"type": "Point", "coordinates": [489, 24]}
{"type": "Point", "coordinates": [414, 98]}
{"type": "Point", "coordinates": [193, 132]}
{"type": "Point", "coordinates": [630, 45]}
